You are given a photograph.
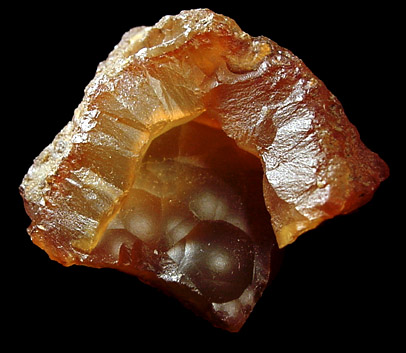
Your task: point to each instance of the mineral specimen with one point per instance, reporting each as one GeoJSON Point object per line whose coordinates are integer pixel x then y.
{"type": "Point", "coordinates": [196, 149]}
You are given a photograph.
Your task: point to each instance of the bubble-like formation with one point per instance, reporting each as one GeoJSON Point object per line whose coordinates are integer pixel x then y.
{"type": "Point", "coordinates": [204, 230]}
{"type": "Point", "coordinates": [219, 258]}
{"type": "Point", "coordinates": [192, 216]}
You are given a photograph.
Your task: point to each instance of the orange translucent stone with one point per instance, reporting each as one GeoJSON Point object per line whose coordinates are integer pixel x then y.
{"type": "Point", "coordinates": [196, 149]}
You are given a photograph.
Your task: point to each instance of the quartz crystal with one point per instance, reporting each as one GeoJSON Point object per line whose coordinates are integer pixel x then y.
{"type": "Point", "coordinates": [197, 152]}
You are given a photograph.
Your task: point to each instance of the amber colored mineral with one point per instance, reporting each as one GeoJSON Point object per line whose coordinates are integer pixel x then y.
{"type": "Point", "coordinates": [196, 149]}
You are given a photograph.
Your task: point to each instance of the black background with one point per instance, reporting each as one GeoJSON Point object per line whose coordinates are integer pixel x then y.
{"type": "Point", "coordinates": [337, 285]}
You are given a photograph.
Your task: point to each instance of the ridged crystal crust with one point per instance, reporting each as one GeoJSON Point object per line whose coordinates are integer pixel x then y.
{"type": "Point", "coordinates": [83, 190]}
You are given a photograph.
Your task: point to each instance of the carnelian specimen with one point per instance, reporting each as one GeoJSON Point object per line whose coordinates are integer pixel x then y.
{"type": "Point", "coordinates": [98, 194]}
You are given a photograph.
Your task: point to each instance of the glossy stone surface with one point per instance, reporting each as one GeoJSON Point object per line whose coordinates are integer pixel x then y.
{"type": "Point", "coordinates": [131, 183]}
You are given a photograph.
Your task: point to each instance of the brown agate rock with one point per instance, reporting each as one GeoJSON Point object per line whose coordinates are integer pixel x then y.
{"type": "Point", "coordinates": [133, 183]}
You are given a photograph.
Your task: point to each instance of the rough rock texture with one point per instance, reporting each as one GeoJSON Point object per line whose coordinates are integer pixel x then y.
{"type": "Point", "coordinates": [198, 66]}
